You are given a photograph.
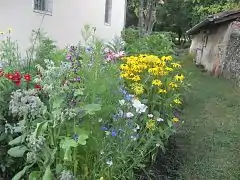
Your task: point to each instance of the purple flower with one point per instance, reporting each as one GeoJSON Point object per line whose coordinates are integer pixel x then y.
{"type": "Point", "coordinates": [69, 57]}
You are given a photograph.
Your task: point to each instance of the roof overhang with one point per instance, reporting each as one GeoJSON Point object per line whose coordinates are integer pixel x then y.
{"type": "Point", "coordinates": [213, 20]}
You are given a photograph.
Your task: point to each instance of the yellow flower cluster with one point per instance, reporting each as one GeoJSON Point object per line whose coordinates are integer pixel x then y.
{"type": "Point", "coordinates": [148, 71]}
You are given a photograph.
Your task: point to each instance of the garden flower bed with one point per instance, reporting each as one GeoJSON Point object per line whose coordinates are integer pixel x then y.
{"type": "Point", "coordinates": [94, 115]}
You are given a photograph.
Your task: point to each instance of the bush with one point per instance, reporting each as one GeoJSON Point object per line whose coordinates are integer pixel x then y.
{"type": "Point", "coordinates": [158, 44]}
{"type": "Point", "coordinates": [129, 35]}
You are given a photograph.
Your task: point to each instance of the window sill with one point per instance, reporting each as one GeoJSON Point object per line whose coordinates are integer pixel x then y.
{"type": "Point", "coordinates": [43, 12]}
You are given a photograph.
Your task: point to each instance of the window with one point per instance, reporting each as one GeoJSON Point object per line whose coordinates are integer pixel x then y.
{"type": "Point", "coordinates": [108, 11]}
{"type": "Point", "coordinates": [43, 6]}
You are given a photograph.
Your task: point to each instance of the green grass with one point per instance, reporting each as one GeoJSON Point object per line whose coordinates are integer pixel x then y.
{"type": "Point", "coordinates": [209, 139]}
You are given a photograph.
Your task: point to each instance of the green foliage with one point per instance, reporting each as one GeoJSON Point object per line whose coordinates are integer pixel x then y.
{"type": "Point", "coordinates": [130, 35]}
{"type": "Point", "coordinates": [157, 43]}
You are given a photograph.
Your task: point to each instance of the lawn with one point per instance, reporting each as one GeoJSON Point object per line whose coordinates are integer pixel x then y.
{"type": "Point", "coordinates": [209, 140]}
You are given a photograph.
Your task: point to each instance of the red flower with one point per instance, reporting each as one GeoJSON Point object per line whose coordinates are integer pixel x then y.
{"type": "Point", "coordinates": [9, 76]}
{"type": "Point", "coordinates": [27, 77]}
{"type": "Point", "coordinates": [16, 77]}
{"type": "Point", "coordinates": [17, 83]}
{"type": "Point", "coordinates": [37, 86]}
{"type": "Point", "coordinates": [1, 73]}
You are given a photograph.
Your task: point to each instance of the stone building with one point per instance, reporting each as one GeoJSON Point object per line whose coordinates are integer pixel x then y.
{"type": "Point", "coordinates": [216, 44]}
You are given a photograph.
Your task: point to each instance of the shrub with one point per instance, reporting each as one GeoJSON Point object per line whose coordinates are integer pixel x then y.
{"type": "Point", "coordinates": [129, 35]}
{"type": "Point", "coordinates": [157, 43]}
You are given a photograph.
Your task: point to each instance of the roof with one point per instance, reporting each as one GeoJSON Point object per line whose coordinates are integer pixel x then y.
{"type": "Point", "coordinates": [214, 19]}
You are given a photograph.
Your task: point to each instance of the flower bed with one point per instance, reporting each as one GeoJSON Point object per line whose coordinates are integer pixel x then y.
{"type": "Point", "coordinates": [97, 115]}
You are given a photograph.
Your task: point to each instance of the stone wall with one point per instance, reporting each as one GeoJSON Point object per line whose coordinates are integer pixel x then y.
{"type": "Point", "coordinates": [231, 65]}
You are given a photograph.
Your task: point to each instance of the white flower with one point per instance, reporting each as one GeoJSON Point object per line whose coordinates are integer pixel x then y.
{"type": "Point", "coordinates": [100, 120]}
{"type": "Point", "coordinates": [157, 145]}
{"type": "Point", "coordinates": [122, 102]}
{"type": "Point", "coordinates": [134, 138]}
{"type": "Point", "coordinates": [136, 128]}
{"type": "Point", "coordinates": [160, 120]}
{"type": "Point", "coordinates": [150, 115]}
{"type": "Point", "coordinates": [109, 163]}
{"type": "Point", "coordinates": [140, 108]}
{"type": "Point", "coordinates": [129, 115]}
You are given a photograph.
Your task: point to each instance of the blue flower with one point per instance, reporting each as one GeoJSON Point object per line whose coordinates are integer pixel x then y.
{"type": "Point", "coordinates": [78, 79]}
{"type": "Point", "coordinates": [114, 133]}
{"type": "Point", "coordinates": [104, 128]}
{"type": "Point", "coordinates": [75, 137]}
{"type": "Point", "coordinates": [124, 92]}
{"type": "Point", "coordinates": [88, 49]}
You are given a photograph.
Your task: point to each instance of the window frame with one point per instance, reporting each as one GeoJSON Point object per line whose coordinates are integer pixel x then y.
{"type": "Point", "coordinates": [46, 10]}
{"type": "Point", "coordinates": [108, 12]}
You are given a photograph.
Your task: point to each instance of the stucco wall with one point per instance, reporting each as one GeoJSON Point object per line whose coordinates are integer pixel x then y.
{"type": "Point", "coordinates": [211, 49]}
{"type": "Point", "coordinates": [66, 22]}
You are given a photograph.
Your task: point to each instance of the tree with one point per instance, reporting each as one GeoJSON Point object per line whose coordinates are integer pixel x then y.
{"type": "Point", "coordinates": [146, 12]}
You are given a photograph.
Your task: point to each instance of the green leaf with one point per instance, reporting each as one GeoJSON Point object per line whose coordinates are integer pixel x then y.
{"type": "Point", "coordinates": [79, 92]}
{"type": "Point", "coordinates": [21, 173]}
{"type": "Point", "coordinates": [34, 175]}
{"type": "Point", "coordinates": [82, 139]}
{"type": "Point", "coordinates": [17, 140]}
{"type": "Point", "coordinates": [67, 143]}
{"type": "Point", "coordinates": [82, 136]}
{"type": "Point", "coordinates": [41, 127]}
{"type": "Point", "coordinates": [59, 168]}
{"type": "Point", "coordinates": [92, 108]}
{"type": "Point", "coordinates": [68, 154]}
{"type": "Point", "coordinates": [58, 102]}
{"type": "Point", "coordinates": [48, 174]}
{"type": "Point", "coordinates": [3, 136]}
{"type": "Point", "coordinates": [17, 151]}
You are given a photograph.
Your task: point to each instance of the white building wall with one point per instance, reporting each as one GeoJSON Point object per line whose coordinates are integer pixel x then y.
{"type": "Point", "coordinates": [65, 24]}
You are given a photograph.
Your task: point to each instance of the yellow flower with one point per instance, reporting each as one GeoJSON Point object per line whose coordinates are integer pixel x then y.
{"type": "Point", "coordinates": [175, 120]}
{"type": "Point", "coordinates": [179, 77]}
{"type": "Point", "coordinates": [124, 67]}
{"type": "Point", "coordinates": [136, 78]}
{"type": "Point", "coordinates": [173, 85]}
{"type": "Point", "coordinates": [176, 65]}
{"type": "Point", "coordinates": [156, 82]}
{"type": "Point", "coordinates": [177, 101]}
{"type": "Point", "coordinates": [163, 58]}
{"type": "Point", "coordinates": [123, 75]}
{"type": "Point", "coordinates": [138, 89]}
{"type": "Point", "coordinates": [169, 69]}
{"type": "Point", "coordinates": [168, 58]}
{"type": "Point", "coordinates": [151, 124]}
{"type": "Point", "coordinates": [162, 91]}
{"type": "Point", "coordinates": [153, 71]}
